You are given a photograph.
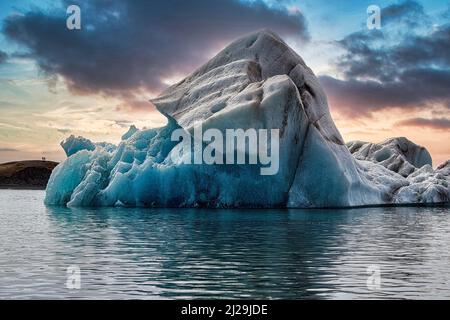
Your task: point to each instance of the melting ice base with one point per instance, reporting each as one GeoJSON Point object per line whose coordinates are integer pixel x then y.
{"type": "Point", "coordinates": [144, 171]}
{"type": "Point", "coordinates": [148, 169]}
{"type": "Point", "coordinates": [257, 82]}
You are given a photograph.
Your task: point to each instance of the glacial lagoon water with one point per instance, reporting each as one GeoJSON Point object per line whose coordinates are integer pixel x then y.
{"type": "Point", "coordinates": [199, 253]}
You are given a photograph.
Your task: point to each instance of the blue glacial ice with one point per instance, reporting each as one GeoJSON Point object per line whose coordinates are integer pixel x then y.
{"type": "Point", "coordinates": [256, 82]}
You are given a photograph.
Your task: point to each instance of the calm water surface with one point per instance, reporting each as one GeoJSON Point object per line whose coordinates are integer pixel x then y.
{"type": "Point", "coordinates": [184, 253]}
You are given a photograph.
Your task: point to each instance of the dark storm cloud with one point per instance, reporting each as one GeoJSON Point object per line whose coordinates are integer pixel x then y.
{"type": "Point", "coordinates": [3, 56]}
{"type": "Point", "coordinates": [438, 123]}
{"type": "Point", "coordinates": [433, 49]}
{"type": "Point", "coordinates": [411, 72]}
{"type": "Point", "coordinates": [129, 45]}
{"type": "Point", "coordinates": [413, 88]}
{"type": "Point", "coordinates": [409, 12]}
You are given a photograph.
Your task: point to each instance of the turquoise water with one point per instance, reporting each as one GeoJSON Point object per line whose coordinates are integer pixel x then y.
{"type": "Point", "coordinates": [192, 253]}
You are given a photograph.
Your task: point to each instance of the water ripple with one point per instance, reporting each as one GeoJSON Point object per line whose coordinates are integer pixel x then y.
{"type": "Point", "coordinates": [186, 253]}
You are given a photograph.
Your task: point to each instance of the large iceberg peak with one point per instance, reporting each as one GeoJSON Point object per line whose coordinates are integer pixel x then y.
{"type": "Point", "coordinates": [247, 61]}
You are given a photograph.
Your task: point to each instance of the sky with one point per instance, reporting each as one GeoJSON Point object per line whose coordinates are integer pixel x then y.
{"type": "Point", "coordinates": [97, 81]}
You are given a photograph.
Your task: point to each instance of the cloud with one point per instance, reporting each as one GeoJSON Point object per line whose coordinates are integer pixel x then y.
{"type": "Point", "coordinates": [134, 104]}
{"type": "Point", "coordinates": [408, 12]}
{"type": "Point", "coordinates": [436, 123]}
{"type": "Point", "coordinates": [412, 89]}
{"type": "Point", "coordinates": [446, 13]}
{"type": "Point", "coordinates": [63, 131]}
{"type": "Point", "coordinates": [3, 56]}
{"type": "Point", "coordinates": [393, 67]}
{"type": "Point", "coordinates": [130, 46]}
{"type": "Point", "coordinates": [8, 150]}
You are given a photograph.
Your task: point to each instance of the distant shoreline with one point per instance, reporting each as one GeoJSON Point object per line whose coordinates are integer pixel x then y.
{"type": "Point", "coordinates": [26, 174]}
{"type": "Point", "coordinates": [20, 187]}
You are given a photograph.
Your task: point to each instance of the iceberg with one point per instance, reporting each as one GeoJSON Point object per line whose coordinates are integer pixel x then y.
{"type": "Point", "coordinates": [257, 82]}
{"type": "Point", "coordinates": [397, 154]}
{"type": "Point", "coordinates": [74, 144]}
